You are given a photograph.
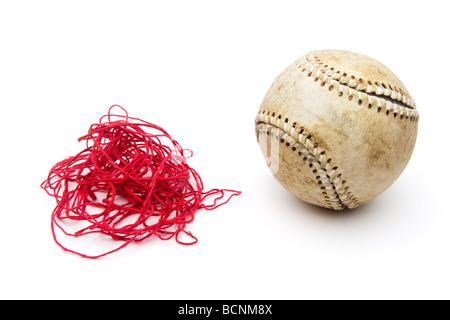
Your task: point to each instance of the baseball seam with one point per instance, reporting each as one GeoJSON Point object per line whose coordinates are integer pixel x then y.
{"type": "Point", "coordinates": [368, 86]}
{"type": "Point", "coordinates": [334, 187]}
{"type": "Point", "coordinates": [367, 97]}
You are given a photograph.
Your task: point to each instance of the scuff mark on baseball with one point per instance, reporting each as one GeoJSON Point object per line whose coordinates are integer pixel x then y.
{"type": "Point", "coordinates": [337, 128]}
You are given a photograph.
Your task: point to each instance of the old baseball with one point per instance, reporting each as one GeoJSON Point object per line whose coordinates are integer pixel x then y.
{"type": "Point", "coordinates": [337, 128]}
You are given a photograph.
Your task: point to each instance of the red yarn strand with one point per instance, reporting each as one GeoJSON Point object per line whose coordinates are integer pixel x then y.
{"type": "Point", "coordinates": [130, 183]}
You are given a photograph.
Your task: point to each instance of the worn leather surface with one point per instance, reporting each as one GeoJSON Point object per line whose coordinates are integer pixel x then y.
{"type": "Point", "coordinates": [360, 121]}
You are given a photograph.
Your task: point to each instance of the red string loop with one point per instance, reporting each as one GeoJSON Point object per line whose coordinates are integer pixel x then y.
{"type": "Point", "coordinates": [130, 183]}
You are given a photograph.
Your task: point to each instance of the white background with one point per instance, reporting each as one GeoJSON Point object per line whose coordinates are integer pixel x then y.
{"type": "Point", "coordinates": [200, 70]}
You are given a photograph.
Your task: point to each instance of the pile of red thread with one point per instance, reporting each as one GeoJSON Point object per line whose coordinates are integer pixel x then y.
{"type": "Point", "coordinates": [131, 182]}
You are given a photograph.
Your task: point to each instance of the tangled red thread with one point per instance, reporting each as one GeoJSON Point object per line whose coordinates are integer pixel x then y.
{"type": "Point", "coordinates": [131, 182]}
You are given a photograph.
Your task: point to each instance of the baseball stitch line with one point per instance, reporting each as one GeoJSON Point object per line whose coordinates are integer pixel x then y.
{"type": "Point", "coordinates": [334, 188]}
{"type": "Point", "coordinates": [363, 85]}
{"type": "Point", "coordinates": [339, 82]}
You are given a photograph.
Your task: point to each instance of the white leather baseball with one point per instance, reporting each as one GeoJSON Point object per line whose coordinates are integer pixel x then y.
{"type": "Point", "coordinates": [341, 127]}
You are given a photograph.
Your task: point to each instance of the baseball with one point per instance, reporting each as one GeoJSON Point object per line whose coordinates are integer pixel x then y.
{"type": "Point", "coordinates": [337, 128]}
